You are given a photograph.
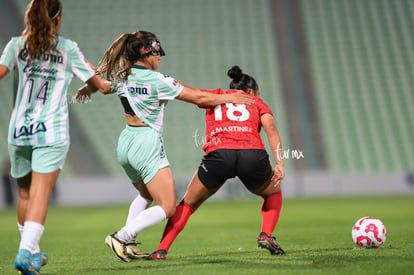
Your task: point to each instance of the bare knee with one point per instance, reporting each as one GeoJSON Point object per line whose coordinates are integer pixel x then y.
{"type": "Point", "coordinates": [168, 206]}
{"type": "Point", "coordinates": [267, 191]}
{"type": "Point", "coordinates": [169, 210]}
{"type": "Point", "coordinates": [194, 204]}
{"type": "Point", "coordinates": [24, 186]}
{"type": "Point", "coordinates": [25, 182]}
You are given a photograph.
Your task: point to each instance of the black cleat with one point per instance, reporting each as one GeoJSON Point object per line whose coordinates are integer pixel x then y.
{"type": "Point", "coordinates": [158, 255]}
{"type": "Point", "coordinates": [264, 241]}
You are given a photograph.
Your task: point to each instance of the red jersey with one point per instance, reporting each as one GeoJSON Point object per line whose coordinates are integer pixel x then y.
{"type": "Point", "coordinates": [234, 126]}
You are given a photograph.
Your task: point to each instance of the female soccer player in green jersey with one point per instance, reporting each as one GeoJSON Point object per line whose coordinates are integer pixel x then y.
{"type": "Point", "coordinates": [38, 140]}
{"type": "Point", "coordinates": [130, 62]}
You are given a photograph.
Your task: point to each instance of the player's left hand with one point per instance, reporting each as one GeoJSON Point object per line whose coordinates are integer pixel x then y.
{"type": "Point", "coordinates": [278, 174]}
{"type": "Point", "coordinates": [83, 95]}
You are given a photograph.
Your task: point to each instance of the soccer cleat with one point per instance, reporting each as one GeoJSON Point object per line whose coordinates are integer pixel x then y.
{"type": "Point", "coordinates": [264, 241]}
{"type": "Point", "coordinates": [23, 263]}
{"type": "Point", "coordinates": [39, 260]}
{"type": "Point", "coordinates": [134, 252]}
{"type": "Point", "coordinates": [118, 247]}
{"type": "Point", "coordinates": [158, 255]}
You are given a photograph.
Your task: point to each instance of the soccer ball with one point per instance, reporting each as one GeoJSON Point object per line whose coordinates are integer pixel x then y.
{"type": "Point", "coordinates": [369, 232]}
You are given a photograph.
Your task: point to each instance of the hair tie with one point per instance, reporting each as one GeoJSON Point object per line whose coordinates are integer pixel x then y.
{"type": "Point", "coordinates": [57, 14]}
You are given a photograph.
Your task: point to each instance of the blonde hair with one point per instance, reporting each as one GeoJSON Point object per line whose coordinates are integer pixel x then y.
{"type": "Point", "coordinates": [121, 55]}
{"type": "Point", "coordinates": [40, 28]}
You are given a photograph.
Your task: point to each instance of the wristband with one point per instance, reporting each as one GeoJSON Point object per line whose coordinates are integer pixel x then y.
{"type": "Point", "coordinates": [113, 87]}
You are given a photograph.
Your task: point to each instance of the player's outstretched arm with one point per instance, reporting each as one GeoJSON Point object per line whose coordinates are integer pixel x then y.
{"type": "Point", "coordinates": [93, 84]}
{"type": "Point", "coordinates": [3, 71]}
{"type": "Point", "coordinates": [200, 98]}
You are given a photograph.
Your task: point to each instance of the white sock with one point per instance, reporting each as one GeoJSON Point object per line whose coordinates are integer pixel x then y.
{"type": "Point", "coordinates": [138, 205]}
{"type": "Point", "coordinates": [21, 228]}
{"type": "Point", "coordinates": [32, 232]}
{"type": "Point", "coordinates": [147, 218]}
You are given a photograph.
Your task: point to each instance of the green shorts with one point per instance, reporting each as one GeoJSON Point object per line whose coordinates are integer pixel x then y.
{"type": "Point", "coordinates": [141, 153]}
{"type": "Point", "coordinates": [39, 158]}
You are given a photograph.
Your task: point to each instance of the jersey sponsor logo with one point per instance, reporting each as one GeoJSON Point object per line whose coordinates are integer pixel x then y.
{"type": "Point", "coordinates": [29, 130]}
{"type": "Point", "coordinates": [53, 58]}
{"type": "Point", "coordinates": [134, 91]}
{"type": "Point", "coordinates": [139, 90]}
{"type": "Point", "coordinates": [37, 69]}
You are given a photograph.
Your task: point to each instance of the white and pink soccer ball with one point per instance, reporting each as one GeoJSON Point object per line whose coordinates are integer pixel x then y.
{"type": "Point", "coordinates": [369, 232]}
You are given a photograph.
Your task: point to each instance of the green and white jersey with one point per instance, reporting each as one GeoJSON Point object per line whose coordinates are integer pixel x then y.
{"type": "Point", "coordinates": [40, 112]}
{"type": "Point", "coordinates": [147, 92]}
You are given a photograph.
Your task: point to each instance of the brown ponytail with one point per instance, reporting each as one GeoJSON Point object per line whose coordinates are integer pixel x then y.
{"type": "Point", "coordinates": [113, 64]}
{"type": "Point", "coordinates": [40, 28]}
{"type": "Point", "coordinates": [121, 55]}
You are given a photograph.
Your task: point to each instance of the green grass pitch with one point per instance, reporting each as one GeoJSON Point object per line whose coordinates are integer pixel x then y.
{"type": "Point", "coordinates": [220, 238]}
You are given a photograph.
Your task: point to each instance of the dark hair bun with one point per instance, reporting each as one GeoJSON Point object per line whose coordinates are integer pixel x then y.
{"type": "Point", "coordinates": [235, 73]}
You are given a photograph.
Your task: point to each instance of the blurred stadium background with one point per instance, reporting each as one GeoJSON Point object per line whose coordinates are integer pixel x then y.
{"type": "Point", "coordinates": [338, 75]}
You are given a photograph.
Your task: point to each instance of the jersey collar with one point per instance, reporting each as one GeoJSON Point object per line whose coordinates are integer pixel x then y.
{"type": "Point", "coordinates": [140, 67]}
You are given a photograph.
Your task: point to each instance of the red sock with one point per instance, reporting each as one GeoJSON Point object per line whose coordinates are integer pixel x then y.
{"type": "Point", "coordinates": [175, 225]}
{"type": "Point", "coordinates": [271, 207]}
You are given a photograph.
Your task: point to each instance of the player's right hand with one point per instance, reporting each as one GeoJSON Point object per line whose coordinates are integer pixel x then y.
{"type": "Point", "coordinates": [241, 98]}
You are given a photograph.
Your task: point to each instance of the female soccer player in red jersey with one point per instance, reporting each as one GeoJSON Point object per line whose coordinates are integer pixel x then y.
{"type": "Point", "coordinates": [233, 148]}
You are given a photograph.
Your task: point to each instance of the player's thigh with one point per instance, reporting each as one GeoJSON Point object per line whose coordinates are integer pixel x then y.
{"type": "Point", "coordinates": [142, 189]}
{"type": "Point", "coordinates": [197, 192]}
{"type": "Point", "coordinates": [267, 189]}
{"type": "Point", "coordinates": [43, 184]}
{"type": "Point", "coordinates": [162, 189]}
